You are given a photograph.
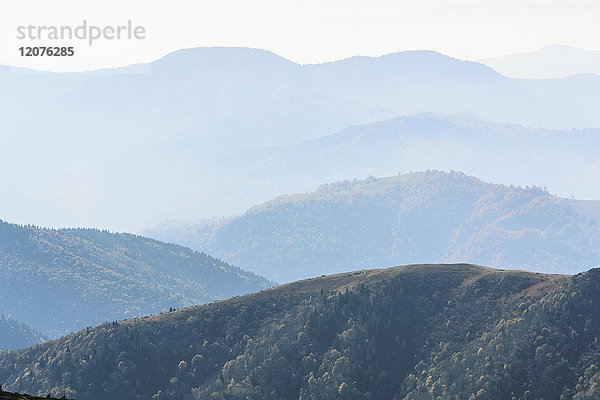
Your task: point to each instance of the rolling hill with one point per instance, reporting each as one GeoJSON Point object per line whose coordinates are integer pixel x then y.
{"type": "Point", "coordinates": [63, 280]}
{"type": "Point", "coordinates": [80, 140]}
{"type": "Point", "coordinates": [429, 216]}
{"type": "Point", "coordinates": [416, 332]}
{"type": "Point", "coordinates": [493, 152]}
{"type": "Point", "coordinates": [15, 335]}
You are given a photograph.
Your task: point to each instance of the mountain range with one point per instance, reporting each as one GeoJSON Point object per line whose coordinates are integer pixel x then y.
{"type": "Point", "coordinates": [493, 152]}
{"type": "Point", "coordinates": [550, 62]}
{"type": "Point", "coordinates": [416, 332]}
{"type": "Point", "coordinates": [92, 314]}
{"type": "Point", "coordinates": [90, 145]}
{"type": "Point", "coordinates": [59, 281]}
{"type": "Point", "coordinates": [429, 216]}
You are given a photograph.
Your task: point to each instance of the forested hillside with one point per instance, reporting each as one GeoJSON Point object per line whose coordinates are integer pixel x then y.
{"type": "Point", "coordinates": [58, 281]}
{"type": "Point", "coordinates": [429, 216]}
{"type": "Point", "coordinates": [15, 335]}
{"type": "Point", "coordinates": [415, 332]}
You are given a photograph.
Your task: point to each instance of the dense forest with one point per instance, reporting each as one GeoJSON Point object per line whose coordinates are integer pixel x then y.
{"type": "Point", "coordinates": [15, 335]}
{"type": "Point", "coordinates": [59, 281]}
{"type": "Point", "coordinates": [416, 332]}
{"type": "Point", "coordinates": [412, 218]}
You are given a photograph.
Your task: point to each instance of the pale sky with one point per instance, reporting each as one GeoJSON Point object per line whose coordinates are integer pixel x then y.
{"type": "Point", "coordinates": [307, 31]}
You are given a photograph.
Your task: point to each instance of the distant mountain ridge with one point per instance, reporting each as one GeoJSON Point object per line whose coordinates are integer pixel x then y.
{"type": "Point", "coordinates": [415, 333]}
{"type": "Point", "coordinates": [493, 152]}
{"type": "Point", "coordinates": [80, 140]}
{"type": "Point", "coordinates": [429, 216]}
{"type": "Point", "coordinates": [59, 281]}
{"type": "Point", "coordinates": [550, 62]}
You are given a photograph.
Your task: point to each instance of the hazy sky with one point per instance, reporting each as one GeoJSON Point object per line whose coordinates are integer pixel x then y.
{"type": "Point", "coordinates": [305, 31]}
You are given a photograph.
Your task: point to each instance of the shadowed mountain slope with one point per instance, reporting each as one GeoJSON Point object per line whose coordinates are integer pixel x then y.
{"type": "Point", "coordinates": [63, 280]}
{"type": "Point", "coordinates": [15, 335]}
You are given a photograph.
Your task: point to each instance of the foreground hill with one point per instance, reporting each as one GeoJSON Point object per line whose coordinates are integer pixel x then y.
{"type": "Point", "coordinates": [59, 281]}
{"type": "Point", "coordinates": [15, 335]}
{"type": "Point", "coordinates": [20, 396]}
{"type": "Point", "coordinates": [432, 216]}
{"type": "Point", "coordinates": [164, 128]}
{"type": "Point", "coordinates": [416, 332]}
